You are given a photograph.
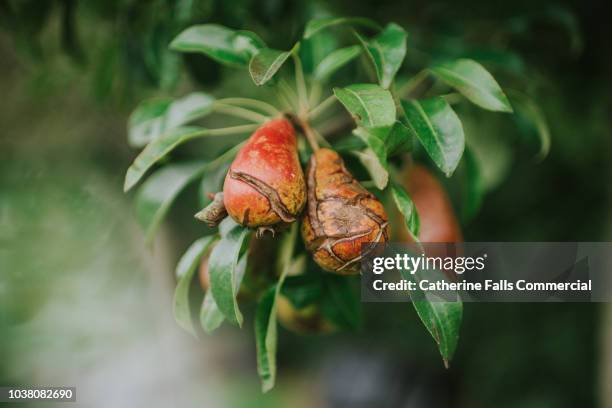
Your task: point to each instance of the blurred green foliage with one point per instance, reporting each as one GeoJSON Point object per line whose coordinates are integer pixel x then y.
{"type": "Point", "coordinates": [116, 52]}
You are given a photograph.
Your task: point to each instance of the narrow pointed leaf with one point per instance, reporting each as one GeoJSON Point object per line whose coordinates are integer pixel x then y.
{"type": "Point", "coordinates": [210, 315]}
{"type": "Point", "coordinates": [439, 130]}
{"type": "Point", "coordinates": [529, 110]}
{"type": "Point", "coordinates": [407, 208]}
{"type": "Point", "coordinates": [266, 63]}
{"type": "Point", "coordinates": [222, 269]}
{"type": "Point", "coordinates": [316, 25]}
{"type": "Point", "coordinates": [369, 104]}
{"type": "Point", "coordinates": [224, 45]}
{"type": "Point", "coordinates": [336, 60]}
{"type": "Point", "coordinates": [443, 321]}
{"type": "Point", "coordinates": [185, 271]}
{"type": "Point", "coordinates": [475, 83]}
{"type": "Point", "coordinates": [387, 52]}
{"type": "Point", "coordinates": [152, 117]}
{"type": "Point", "coordinates": [265, 316]}
{"type": "Point", "coordinates": [156, 195]}
{"type": "Point", "coordinates": [157, 150]}
{"type": "Point", "coordinates": [442, 318]}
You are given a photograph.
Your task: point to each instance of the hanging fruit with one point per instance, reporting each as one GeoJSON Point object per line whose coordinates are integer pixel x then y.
{"type": "Point", "coordinates": [341, 215]}
{"type": "Point", "coordinates": [265, 184]}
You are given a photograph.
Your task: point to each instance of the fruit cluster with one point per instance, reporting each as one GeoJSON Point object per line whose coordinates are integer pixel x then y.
{"type": "Point", "coordinates": [265, 189]}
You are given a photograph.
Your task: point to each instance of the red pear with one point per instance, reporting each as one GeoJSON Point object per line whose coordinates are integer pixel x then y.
{"type": "Point", "coordinates": [265, 184]}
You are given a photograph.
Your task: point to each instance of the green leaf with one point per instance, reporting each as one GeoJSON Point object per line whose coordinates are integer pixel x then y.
{"type": "Point", "coordinates": [146, 121]}
{"type": "Point", "coordinates": [398, 139]}
{"type": "Point", "coordinates": [156, 195]}
{"type": "Point", "coordinates": [210, 315]}
{"type": "Point", "coordinates": [224, 45]}
{"type": "Point", "coordinates": [335, 60]}
{"type": "Point", "coordinates": [472, 186]}
{"type": "Point", "coordinates": [153, 117]}
{"type": "Point", "coordinates": [319, 24]}
{"type": "Point", "coordinates": [157, 150]}
{"type": "Point", "coordinates": [266, 63]}
{"type": "Point", "coordinates": [438, 129]}
{"type": "Point", "coordinates": [474, 82]}
{"type": "Point", "coordinates": [374, 158]}
{"type": "Point", "coordinates": [375, 166]}
{"type": "Point", "coordinates": [265, 316]}
{"type": "Point", "coordinates": [443, 321]}
{"type": "Point", "coordinates": [315, 49]}
{"type": "Point", "coordinates": [406, 206]}
{"type": "Point", "coordinates": [529, 110]}
{"type": "Point", "coordinates": [303, 290]}
{"type": "Point", "coordinates": [340, 302]}
{"type": "Point", "coordinates": [184, 272]}
{"type": "Point", "coordinates": [386, 51]}
{"type": "Point", "coordinates": [369, 104]}
{"type": "Point", "coordinates": [222, 269]}
{"type": "Point", "coordinates": [442, 318]}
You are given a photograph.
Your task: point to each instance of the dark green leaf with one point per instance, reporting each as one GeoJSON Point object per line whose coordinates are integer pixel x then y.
{"type": "Point", "coordinates": [210, 315]}
{"type": "Point", "coordinates": [340, 301]}
{"type": "Point", "coordinates": [184, 272]}
{"type": "Point", "coordinates": [315, 49]}
{"type": "Point", "coordinates": [266, 63]}
{"type": "Point", "coordinates": [265, 316]}
{"type": "Point", "coordinates": [319, 24]}
{"type": "Point", "coordinates": [473, 189]}
{"type": "Point", "coordinates": [398, 139]}
{"type": "Point", "coordinates": [443, 321]}
{"type": "Point", "coordinates": [157, 150]}
{"type": "Point", "coordinates": [224, 45]}
{"type": "Point", "coordinates": [156, 195]}
{"type": "Point", "coordinates": [222, 269]}
{"type": "Point", "coordinates": [474, 82]}
{"type": "Point", "coordinates": [303, 290]}
{"type": "Point", "coordinates": [529, 110]}
{"type": "Point", "coordinates": [438, 129]}
{"type": "Point", "coordinates": [369, 104]}
{"type": "Point", "coordinates": [442, 318]}
{"type": "Point", "coordinates": [387, 51]}
{"type": "Point", "coordinates": [406, 206]}
{"type": "Point", "coordinates": [335, 60]}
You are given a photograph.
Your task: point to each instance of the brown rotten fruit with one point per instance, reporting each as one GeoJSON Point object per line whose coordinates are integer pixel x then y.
{"type": "Point", "coordinates": [438, 222]}
{"type": "Point", "coordinates": [265, 184]}
{"type": "Point", "coordinates": [341, 215]}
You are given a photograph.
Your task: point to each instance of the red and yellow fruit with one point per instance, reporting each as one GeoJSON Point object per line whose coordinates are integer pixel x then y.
{"type": "Point", "coordinates": [341, 215]}
{"type": "Point", "coordinates": [265, 184]}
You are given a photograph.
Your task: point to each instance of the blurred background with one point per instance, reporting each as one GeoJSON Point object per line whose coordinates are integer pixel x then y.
{"type": "Point", "coordinates": [83, 302]}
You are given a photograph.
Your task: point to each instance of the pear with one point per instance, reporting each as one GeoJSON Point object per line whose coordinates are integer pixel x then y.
{"type": "Point", "coordinates": [265, 184]}
{"type": "Point", "coordinates": [341, 215]}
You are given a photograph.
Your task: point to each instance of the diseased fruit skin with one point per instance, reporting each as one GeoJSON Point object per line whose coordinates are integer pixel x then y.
{"type": "Point", "coordinates": [341, 215]}
{"type": "Point", "coordinates": [265, 183]}
{"type": "Point", "coordinates": [438, 222]}
{"type": "Point", "coordinates": [307, 320]}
